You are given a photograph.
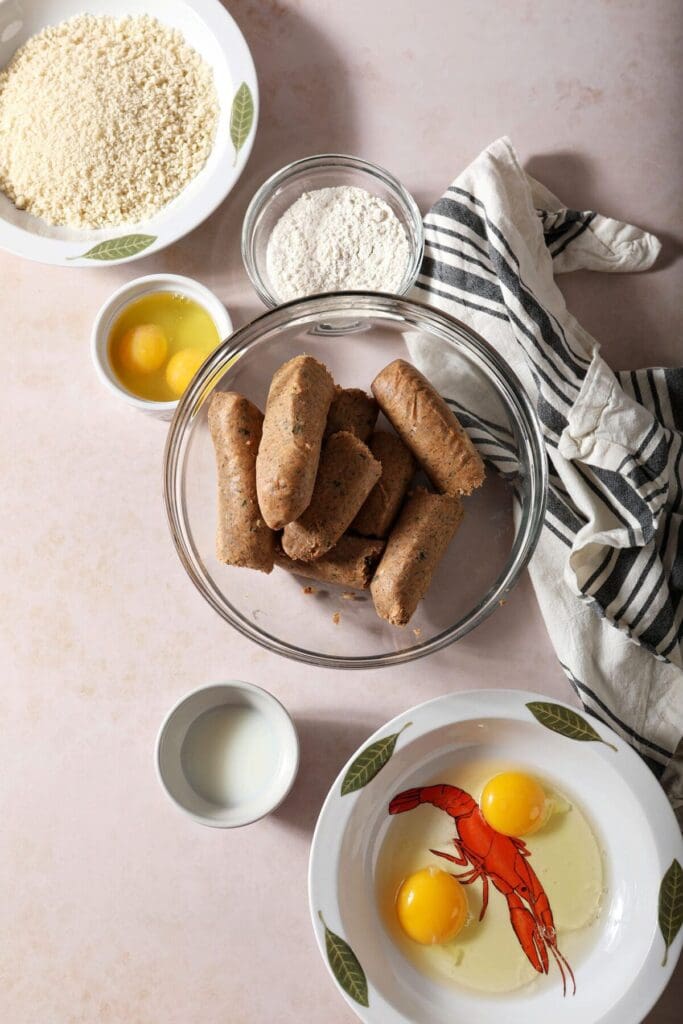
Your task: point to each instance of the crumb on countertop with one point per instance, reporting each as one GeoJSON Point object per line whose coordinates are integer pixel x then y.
{"type": "Point", "coordinates": [336, 618]}
{"type": "Point", "coordinates": [310, 590]}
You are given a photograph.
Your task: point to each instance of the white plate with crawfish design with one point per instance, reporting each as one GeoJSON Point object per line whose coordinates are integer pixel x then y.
{"type": "Point", "coordinates": [213, 33]}
{"type": "Point", "coordinates": [635, 940]}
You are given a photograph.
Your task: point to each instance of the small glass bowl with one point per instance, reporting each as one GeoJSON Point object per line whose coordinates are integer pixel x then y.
{"type": "Point", "coordinates": [324, 171]}
{"type": "Point", "coordinates": [356, 334]}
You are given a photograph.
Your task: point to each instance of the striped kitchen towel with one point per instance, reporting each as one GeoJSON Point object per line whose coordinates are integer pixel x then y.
{"type": "Point", "coordinates": [608, 570]}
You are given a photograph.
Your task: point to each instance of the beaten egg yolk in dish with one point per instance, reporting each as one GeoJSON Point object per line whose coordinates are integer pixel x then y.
{"type": "Point", "coordinates": [514, 803]}
{"type": "Point", "coordinates": [157, 344]}
{"type": "Point", "coordinates": [431, 906]}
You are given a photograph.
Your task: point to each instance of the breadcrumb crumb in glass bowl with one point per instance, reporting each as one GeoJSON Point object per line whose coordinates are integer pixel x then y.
{"type": "Point", "coordinates": [356, 334]}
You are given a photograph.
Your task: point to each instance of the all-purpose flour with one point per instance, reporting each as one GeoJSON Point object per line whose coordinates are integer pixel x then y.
{"type": "Point", "coordinates": [335, 239]}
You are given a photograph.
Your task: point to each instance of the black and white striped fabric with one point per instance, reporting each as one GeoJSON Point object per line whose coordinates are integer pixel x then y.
{"type": "Point", "coordinates": [608, 571]}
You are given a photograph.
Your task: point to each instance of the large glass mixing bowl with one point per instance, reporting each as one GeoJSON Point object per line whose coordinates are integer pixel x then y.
{"type": "Point", "coordinates": [356, 334]}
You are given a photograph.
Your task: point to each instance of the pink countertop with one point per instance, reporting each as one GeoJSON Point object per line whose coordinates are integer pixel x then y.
{"type": "Point", "coordinates": [115, 908]}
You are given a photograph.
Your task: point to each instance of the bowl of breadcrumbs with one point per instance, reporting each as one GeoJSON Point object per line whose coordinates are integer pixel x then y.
{"type": "Point", "coordinates": [119, 133]}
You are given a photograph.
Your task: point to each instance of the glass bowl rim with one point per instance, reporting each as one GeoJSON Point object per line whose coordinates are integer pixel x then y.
{"type": "Point", "coordinates": [263, 195]}
{"type": "Point", "coordinates": [415, 314]}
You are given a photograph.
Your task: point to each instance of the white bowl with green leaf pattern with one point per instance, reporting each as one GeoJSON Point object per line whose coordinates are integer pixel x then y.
{"type": "Point", "coordinates": [637, 937]}
{"type": "Point", "coordinates": [212, 32]}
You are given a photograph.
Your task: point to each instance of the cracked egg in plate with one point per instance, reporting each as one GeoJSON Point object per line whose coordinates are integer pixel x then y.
{"type": "Point", "coordinates": [527, 809]}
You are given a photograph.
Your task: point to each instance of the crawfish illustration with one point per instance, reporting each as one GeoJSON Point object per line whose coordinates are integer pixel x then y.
{"type": "Point", "coordinates": [501, 860]}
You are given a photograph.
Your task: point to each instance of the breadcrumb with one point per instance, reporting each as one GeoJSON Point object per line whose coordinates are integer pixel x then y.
{"type": "Point", "coordinates": [104, 120]}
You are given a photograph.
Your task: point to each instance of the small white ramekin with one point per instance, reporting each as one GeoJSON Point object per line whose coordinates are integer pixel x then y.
{"type": "Point", "coordinates": [174, 729]}
{"type": "Point", "coordinates": [116, 303]}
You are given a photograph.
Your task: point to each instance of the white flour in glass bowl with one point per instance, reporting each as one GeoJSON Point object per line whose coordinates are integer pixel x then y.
{"type": "Point", "coordinates": [337, 239]}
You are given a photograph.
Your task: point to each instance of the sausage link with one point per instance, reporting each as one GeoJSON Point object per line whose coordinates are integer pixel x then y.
{"type": "Point", "coordinates": [242, 536]}
{"type": "Point", "coordinates": [353, 410]}
{"type": "Point", "coordinates": [415, 547]}
{"type": "Point", "coordinates": [350, 563]}
{"type": "Point", "coordinates": [424, 422]}
{"type": "Point", "coordinates": [296, 413]}
{"type": "Point", "coordinates": [384, 500]}
{"type": "Point", "coordinates": [347, 474]}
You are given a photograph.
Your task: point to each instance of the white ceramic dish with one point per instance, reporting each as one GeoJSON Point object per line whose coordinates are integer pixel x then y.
{"type": "Point", "coordinates": [624, 971]}
{"type": "Point", "coordinates": [116, 303]}
{"type": "Point", "coordinates": [207, 27]}
{"type": "Point", "coordinates": [172, 734]}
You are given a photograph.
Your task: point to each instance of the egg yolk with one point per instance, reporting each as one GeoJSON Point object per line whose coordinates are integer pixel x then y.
{"type": "Point", "coordinates": [143, 348]}
{"type": "Point", "coordinates": [514, 803]}
{"type": "Point", "coordinates": [182, 368]}
{"type": "Point", "coordinates": [431, 906]}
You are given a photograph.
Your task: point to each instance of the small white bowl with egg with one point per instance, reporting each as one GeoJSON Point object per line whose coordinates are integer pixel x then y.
{"type": "Point", "coordinates": [227, 754]}
{"type": "Point", "coordinates": [128, 293]}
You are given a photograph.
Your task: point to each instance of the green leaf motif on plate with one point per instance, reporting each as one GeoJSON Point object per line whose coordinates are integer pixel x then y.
{"type": "Point", "coordinates": [241, 117]}
{"type": "Point", "coordinates": [566, 722]}
{"type": "Point", "coordinates": [671, 905]}
{"type": "Point", "coordinates": [369, 762]}
{"type": "Point", "coordinates": [117, 248]}
{"type": "Point", "coordinates": [345, 966]}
